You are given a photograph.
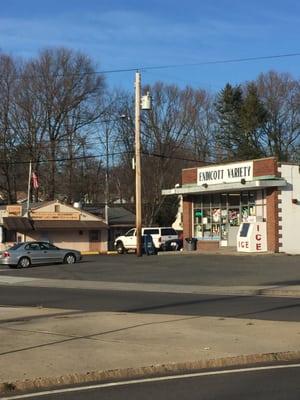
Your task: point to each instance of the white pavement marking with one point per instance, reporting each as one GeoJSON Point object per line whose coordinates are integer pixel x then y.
{"type": "Point", "coordinates": [289, 290]}
{"type": "Point", "coordinates": [11, 280]}
{"type": "Point", "coordinates": [158, 379]}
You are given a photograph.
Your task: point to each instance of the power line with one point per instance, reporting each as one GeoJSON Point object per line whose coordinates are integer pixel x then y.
{"type": "Point", "coordinates": [94, 156]}
{"type": "Point", "coordinates": [168, 66]}
{"type": "Point", "coordinates": [176, 158]}
{"type": "Point", "coordinates": [232, 60]}
{"type": "Point", "coordinates": [43, 161]}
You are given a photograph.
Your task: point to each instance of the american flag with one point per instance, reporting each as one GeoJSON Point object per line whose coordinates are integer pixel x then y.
{"type": "Point", "coordinates": [35, 181]}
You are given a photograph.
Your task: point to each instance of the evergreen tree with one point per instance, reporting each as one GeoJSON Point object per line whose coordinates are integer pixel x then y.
{"type": "Point", "coordinates": [168, 211]}
{"type": "Point", "coordinates": [228, 106]}
{"type": "Point", "coordinates": [241, 119]}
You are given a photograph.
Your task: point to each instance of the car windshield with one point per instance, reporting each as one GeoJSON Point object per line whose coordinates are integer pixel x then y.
{"type": "Point", "coordinates": [15, 246]}
{"type": "Point", "coordinates": [130, 233]}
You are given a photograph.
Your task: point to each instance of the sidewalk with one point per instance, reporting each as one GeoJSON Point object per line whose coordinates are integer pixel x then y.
{"type": "Point", "coordinates": [42, 347]}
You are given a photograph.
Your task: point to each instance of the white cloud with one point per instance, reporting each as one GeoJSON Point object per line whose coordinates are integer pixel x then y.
{"type": "Point", "coordinates": [121, 38]}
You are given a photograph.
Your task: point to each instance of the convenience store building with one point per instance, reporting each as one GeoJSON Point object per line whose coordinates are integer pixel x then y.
{"type": "Point", "coordinates": [217, 199]}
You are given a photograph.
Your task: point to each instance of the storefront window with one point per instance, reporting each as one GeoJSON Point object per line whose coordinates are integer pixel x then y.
{"type": "Point", "coordinates": [244, 198]}
{"type": "Point", "coordinates": [234, 199]}
{"type": "Point", "coordinates": [234, 216]}
{"type": "Point", "coordinates": [214, 214]}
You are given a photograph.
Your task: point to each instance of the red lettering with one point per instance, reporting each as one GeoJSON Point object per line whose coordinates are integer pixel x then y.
{"type": "Point", "coordinates": [258, 236]}
{"type": "Point", "coordinates": [258, 246]}
{"type": "Point", "coordinates": [257, 228]}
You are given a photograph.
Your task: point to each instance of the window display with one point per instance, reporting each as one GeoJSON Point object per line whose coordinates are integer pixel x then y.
{"type": "Point", "coordinates": [215, 213]}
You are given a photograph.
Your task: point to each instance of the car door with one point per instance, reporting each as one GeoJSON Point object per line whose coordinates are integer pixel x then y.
{"type": "Point", "coordinates": [34, 252]}
{"type": "Point", "coordinates": [51, 253]}
{"type": "Point", "coordinates": [130, 239]}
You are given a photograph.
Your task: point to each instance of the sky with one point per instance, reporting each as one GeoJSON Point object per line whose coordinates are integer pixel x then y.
{"type": "Point", "coordinates": [131, 34]}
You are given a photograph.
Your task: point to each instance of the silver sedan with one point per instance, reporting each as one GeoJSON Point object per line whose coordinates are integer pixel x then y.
{"type": "Point", "coordinates": [23, 255]}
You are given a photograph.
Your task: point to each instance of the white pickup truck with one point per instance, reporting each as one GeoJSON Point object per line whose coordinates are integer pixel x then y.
{"type": "Point", "coordinates": [159, 235]}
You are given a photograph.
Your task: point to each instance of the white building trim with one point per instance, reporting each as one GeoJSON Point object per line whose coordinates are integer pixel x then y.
{"type": "Point", "coordinates": [252, 185]}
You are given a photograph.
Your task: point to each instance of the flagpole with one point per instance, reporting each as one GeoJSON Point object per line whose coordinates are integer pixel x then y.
{"type": "Point", "coordinates": [28, 189]}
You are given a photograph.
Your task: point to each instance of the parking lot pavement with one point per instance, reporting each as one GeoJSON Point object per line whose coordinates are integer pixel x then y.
{"type": "Point", "coordinates": [204, 270]}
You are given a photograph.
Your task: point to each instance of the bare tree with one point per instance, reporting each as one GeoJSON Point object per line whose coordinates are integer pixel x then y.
{"type": "Point", "coordinates": [167, 133]}
{"type": "Point", "coordinates": [8, 141]}
{"type": "Point", "coordinates": [66, 85]}
{"type": "Point", "coordinates": [281, 96]}
{"type": "Point", "coordinates": [202, 144]}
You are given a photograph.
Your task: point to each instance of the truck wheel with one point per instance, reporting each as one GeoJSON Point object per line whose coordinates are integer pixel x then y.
{"type": "Point", "coordinates": [120, 248]}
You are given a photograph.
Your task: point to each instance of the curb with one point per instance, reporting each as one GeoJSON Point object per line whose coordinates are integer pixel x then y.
{"type": "Point", "coordinates": [145, 372]}
{"type": "Point", "coordinates": [93, 253]}
{"type": "Point", "coordinates": [220, 253]}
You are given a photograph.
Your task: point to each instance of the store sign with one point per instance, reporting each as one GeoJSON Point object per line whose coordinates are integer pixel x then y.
{"type": "Point", "coordinates": [252, 237]}
{"type": "Point", "coordinates": [14, 210]}
{"type": "Point", "coordinates": [227, 173]}
{"type": "Point", "coordinates": [48, 216]}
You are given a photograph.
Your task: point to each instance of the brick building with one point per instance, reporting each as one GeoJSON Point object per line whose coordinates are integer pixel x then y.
{"type": "Point", "coordinates": [218, 198]}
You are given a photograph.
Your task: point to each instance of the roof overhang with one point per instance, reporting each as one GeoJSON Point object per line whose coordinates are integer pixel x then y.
{"type": "Point", "coordinates": [68, 224]}
{"type": "Point", "coordinates": [18, 224]}
{"type": "Point", "coordinates": [226, 187]}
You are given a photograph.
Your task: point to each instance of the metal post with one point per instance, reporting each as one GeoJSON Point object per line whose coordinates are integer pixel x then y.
{"type": "Point", "coordinates": [138, 180]}
{"type": "Point", "coordinates": [28, 189]}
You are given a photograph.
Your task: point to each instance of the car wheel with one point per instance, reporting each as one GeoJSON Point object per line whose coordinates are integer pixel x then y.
{"type": "Point", "coordinates": [24, 262]}
{"type": "Point", "coordinates": [120, 248]}
{"type": "Point", "coordinates": [70, 259]}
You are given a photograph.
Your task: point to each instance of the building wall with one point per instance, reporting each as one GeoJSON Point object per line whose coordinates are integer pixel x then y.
{"type": "Point", "coordinates": [189, 176]}
{"type": "Point", "coordinates": [65, 208]}
{"type": "Point", "coordinates": [265, 167]}
{"type": "Point", "coordinates": [71, 239]}
{"type": "Point", "coordinates": [177, 224]}
{"type": "Point", "coordinates": [187, 206]}
{"type": "Point", "coordinates": [267, 201]}
{"type": "Point", "coordinates": [289, 212]}
{"type": "Point", "coordinates": [272, 219]}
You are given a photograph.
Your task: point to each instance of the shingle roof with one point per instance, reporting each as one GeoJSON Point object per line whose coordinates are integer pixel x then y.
{"type": "Point", "coordinates": [117, 216]}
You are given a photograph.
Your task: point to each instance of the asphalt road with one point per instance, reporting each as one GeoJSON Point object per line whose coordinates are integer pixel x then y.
{"type": "Point", "coordinates": [254, 307]}
{"type": "Point", "coordinates": [258, 384]}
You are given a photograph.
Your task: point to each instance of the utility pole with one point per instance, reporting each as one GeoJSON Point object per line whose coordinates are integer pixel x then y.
{"type": "Point", "coordinates": [138, 178]}
{"type": "Point", "coordinates": [106, 176]}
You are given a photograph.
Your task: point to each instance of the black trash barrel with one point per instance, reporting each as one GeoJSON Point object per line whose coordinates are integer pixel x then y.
{"type": "Point", "coordinates": [191, 244]}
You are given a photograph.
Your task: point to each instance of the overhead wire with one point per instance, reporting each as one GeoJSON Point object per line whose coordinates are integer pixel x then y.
{"type": "Point", "coordinates": [94, 156]}
{"type": "Point", "coordinates": [168, 66]}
